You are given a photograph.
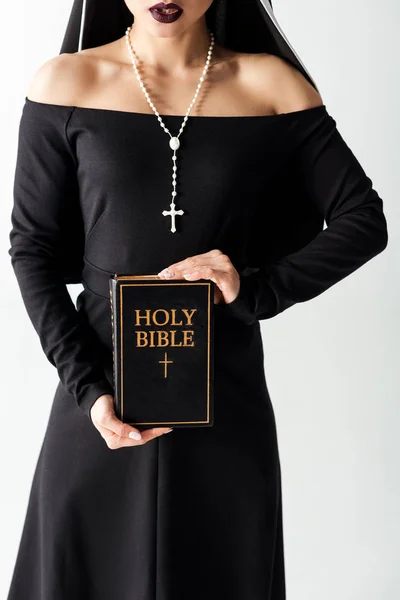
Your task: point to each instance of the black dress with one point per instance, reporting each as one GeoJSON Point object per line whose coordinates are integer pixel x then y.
{"type": "Point", "coordinates": [196, 513]}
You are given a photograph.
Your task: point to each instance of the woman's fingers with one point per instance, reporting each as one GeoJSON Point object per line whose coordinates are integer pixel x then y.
{"type": "Point", "coordinates": [115, 440]}
{"type": "Point", "coordinates": [115, 432]}
{"type": "Point", "coordinates": [215, 266]}
{"type": "Point", "coordinates": [213, 257]}
{"type": "Point", "coordinates": [150, 434]}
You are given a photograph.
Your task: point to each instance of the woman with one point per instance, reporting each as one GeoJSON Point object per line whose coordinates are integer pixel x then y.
{"type": "Point", "coordinates": [196, 514]}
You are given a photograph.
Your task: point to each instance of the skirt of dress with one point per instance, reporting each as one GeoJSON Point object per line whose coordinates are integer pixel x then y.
{"type": "Point", "coordinates": [194, 514]}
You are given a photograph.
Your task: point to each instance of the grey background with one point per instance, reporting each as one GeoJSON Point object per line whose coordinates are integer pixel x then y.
{"type": "Point", "coordinates": [330, 363]}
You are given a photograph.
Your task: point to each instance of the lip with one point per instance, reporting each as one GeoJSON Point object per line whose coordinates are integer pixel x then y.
{"type": "Point", "coordinates": [166, 18]}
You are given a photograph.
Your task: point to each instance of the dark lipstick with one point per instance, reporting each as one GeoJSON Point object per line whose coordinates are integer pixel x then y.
{"type": "Point", "coordinates": [161, 16]}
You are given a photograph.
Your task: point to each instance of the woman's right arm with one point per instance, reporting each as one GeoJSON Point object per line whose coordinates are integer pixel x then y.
{"type": "Point", "coordinates": [45, 190]}
{"type": "Point", "coordinates": [46, 194]}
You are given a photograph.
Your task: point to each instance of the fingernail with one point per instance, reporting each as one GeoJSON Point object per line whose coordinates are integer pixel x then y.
{"type": "Point", "coordinates": [169, 431]}
{"type": "Point", "coordinates": [135, 435]}
{"type": "Point", "coordinates": [186, 275]}
{"type": "Point", "coordinates": [165, 273]}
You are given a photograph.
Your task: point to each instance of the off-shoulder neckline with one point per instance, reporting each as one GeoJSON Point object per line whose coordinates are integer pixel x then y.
{"type": "Point", "coordinates": [304, 111]}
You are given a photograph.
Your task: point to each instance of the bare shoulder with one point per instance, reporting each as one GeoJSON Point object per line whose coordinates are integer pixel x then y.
{"type": "Point", "coordinates": [282, 85]}
{"type": "Point", "coordinates": [62, 79]}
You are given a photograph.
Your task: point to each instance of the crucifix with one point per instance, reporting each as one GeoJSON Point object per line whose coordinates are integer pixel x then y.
{"type": "Point", "coordinates": [172, 212]}
{"type": "Point", "coordinates": [174, 144]}
{"type": "Point", "coordinates": [165, 362]}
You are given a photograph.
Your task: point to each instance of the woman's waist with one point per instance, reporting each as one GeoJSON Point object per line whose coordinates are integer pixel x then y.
{"type": "Point", "coordinates": [237, 347]}
{"type": "Point", "coordinates": [96, 283]}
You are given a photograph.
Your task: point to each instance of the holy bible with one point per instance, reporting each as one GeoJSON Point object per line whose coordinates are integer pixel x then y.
{"type": "Point", "coordinates": [163, 350]}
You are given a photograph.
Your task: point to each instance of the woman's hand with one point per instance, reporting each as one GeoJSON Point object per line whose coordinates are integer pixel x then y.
{"type": "Point", "coordinates": [213, 265]}
{"type": "Point", "coordinates": [116, 433]}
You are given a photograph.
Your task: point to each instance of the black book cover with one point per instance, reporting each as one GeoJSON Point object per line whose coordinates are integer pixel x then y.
{"type": "Point", "coordinates": [163, 350]}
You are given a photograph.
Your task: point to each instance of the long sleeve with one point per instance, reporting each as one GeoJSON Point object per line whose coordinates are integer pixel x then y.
{"type": "Point", "coordinates": [45, 190]}
{"type": "Point", "coordinates": [356, 231]}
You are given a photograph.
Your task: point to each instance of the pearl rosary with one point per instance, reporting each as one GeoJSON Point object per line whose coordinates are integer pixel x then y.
{"type": "Point", "coordinates": [174, 141]}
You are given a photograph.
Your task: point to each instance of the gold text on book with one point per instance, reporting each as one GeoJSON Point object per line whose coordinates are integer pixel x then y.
{"type": "Point", "coordinates": [161, 317]}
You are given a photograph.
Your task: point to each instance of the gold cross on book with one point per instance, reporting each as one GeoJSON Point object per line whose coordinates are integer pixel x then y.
{"type": "Point", "coordinates": [165, 362]}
